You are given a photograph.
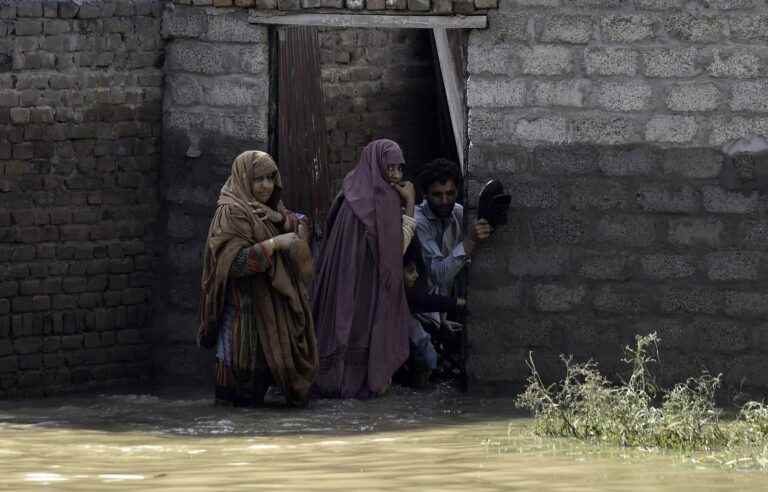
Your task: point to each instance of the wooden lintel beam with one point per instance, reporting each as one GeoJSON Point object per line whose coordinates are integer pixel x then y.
{"type": "Point", "coordinates": [372, 20]}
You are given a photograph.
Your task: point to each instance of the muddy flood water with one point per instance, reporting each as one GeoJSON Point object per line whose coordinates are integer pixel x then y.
{"type": "Point", "coordinates": [436, 440]}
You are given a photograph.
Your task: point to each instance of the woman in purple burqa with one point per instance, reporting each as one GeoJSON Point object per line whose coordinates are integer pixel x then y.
{"type": "Point", "coordinates": [359, 303]}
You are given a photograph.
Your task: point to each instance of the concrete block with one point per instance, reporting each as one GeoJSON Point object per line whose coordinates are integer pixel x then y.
{"type": "Point", "coordinates": [604, 267]}
{"type": "Point", "coordinates": [695, 232]}
{"type": "Point", "coordinates": [598, 194]}
{"type": "Point", "coordinates": [625, 299]}
{"type": "Point", "coordinates": [696, 28]}
{"type": "Point", "coordinates": [565, 160]}
{"type": "Point", "coordinates": [733, 265]}
{"type": "Point", "coordinates": [504, 29]}
{"type": "Point", "coordinates": [731, 4]}
{"type": "Point", "coordinates": [668, 199]}
{"type": "Point", "coordinates": [738, 64]}
{"type": "Point", "coordinates": [718, 200]}
{"type": "Point", "coordinates": [619, 28]}
{"type": "Point", "coordinates": [690, 300]}
{"type": "Point", "coordinates": [693, 97]}
{"type": "Point", "coordinates": [670, 62]}
{"type": "Point", "coordinates": [550, 129]}
{"type": "Point", "coordinates": [603, 129]}
{"type": "Point", "coordinates": [750, 96]}
{"type": "Point", "coordinates": [624, 96]}
{"type": "Point", "coordinates": [627, 230]}
{"type": "Point", "coordinates": [628, 161]}
{"type": "Point", "coordinates": [554, 298]}
{"type": "Point", "coordinates": [696, 163]}
{"type": "Point", "coordinates": [749, 27]}
{"type": "Point", "coordinates": [538, 262]}
{"type": "Point", "coordinates": [750, 305]}
{"type": "Point", "coordinates": [672, 129]}
{"type": "Point", "coordinates": [666, 266]}
{"type": "Point", "coordinates": [212, 58]}
{"type": "Point", "coordinates": [483, 92]}
{"type": "Point", "coordinates": [563, 93]}
{"type": "Point", "coordinates": [721, 336]}
{"type": "Point", "coordinates": [187, 23]}
{"type": "Point", "coordinates": [559, 228]}
{"type": "Point", "coordinates": [573, 29]}
{"type": "Point", "coordinates": [491, 59]}
{"type": "Point", "coordinates": [753, 233]}
{"type": "Point", "coordinates": [546, 60]}
{"type": "Point", "coordinates": [532, 193]}
{"type": "Point", "coordinates": [234, 28]}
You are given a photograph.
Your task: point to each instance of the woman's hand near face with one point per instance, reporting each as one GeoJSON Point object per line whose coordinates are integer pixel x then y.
{"type": "Point", "coordinates": [407, 195]}
{"type": "Point", "coordinates": [264, 212]}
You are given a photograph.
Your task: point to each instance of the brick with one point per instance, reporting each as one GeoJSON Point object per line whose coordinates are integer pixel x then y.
{"type": "Point", "coordinates": [567, 29]}
{"type": "Point", "coordinates": [736, 265]}
{"type": "Point", "coordinates": [611, 61]}
{"type": "Point", "coordinates": [557, 298]}
{"type": "Point", "coordinates": [627, 230]}
{"type": "Point", "coordinates": [750, 96]}
{"type": "Point", "coordinates": [739, 64]}
{"type": "Point", "coordinates": [8, 98]}
{"type": "Point", "coordinates": [486, 4]}
{"type": "Point", "coordinates": [546, 60]}
{"type": "Point", "coordinates": [699, 28]}
{"type": "Point", "coordinates": [564, 93]}
{"type": "Point", "coordinates": [666, 266]}
{"type": "Point", "coordinates": [627, 28]}
{"type": "Point", "coordinates": [670, 62]}
{"type": "Point", "coordinates": [28, 345]}
{"type": "Point", "coordinates": [624, 96]}
{"type": "Point", "coordinates": [20, 116]}
{"type": "Point", "coordinates": [672, 129]}
{"type": "Point", "coordinates": [696, 163]}
{"type": "Point", "coordinates": [494, 93]}
{"type": "Point", "coordinates": [28, 28]}
{"type": "Point", "coordinates": [695, 232]}
{"type": "Point", "coordinates": [668, 199]}
{"type": "Point", "coordinates": [718, 200]}
{"type": "Point", "coordinates": [419, 5]}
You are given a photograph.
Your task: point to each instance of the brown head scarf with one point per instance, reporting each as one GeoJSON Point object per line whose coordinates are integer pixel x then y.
{"type": "Point", "coordinates": [281, 312]}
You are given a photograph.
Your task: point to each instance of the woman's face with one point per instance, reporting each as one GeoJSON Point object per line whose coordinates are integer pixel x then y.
{"type": "Point", "coordinates": [411, 275]}
{"type": "Point", "coordinates": [393, 173]}
{"type": "Point", "coordinates": [263, 186]}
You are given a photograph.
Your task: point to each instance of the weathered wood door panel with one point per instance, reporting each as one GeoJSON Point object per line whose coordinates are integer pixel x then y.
{"type": "Point", "coordinates": [302, 152]}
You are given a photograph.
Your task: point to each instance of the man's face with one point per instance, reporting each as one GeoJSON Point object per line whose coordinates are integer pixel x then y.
{"type": "Point", "coordinates": [441, 197]}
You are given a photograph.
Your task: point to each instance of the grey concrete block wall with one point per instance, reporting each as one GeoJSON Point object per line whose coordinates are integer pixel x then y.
{"type": "Point", "coordinates": [215, 105]}
{"type": "Point", "coordinates": [614, 124]}
{"type": "Point", "coordinates": [80, 109]}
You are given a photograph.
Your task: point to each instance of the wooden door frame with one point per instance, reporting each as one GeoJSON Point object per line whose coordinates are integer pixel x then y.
{"type": "Point", "coordinates": [439, 26]}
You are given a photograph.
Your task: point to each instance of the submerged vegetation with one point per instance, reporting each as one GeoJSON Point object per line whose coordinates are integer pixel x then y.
{"type": "Point", "coordinates": [637, 413]}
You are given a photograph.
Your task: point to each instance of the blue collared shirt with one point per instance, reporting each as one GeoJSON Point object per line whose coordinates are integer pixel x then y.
{"type": "Point", "coordinates": [442, 243]}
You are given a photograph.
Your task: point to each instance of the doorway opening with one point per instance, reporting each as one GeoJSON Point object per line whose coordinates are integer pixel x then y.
{"type": "Point", "coordinates": [335, 89]}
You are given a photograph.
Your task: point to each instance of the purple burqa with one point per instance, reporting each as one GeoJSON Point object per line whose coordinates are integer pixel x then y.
{"type": "Point", "coordinates": [359, 302]}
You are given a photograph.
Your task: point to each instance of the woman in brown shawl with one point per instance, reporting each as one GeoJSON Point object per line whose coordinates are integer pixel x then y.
{"type": "Point", "coordinates": [359, 302]}
{"type": "Point", "coordinates": [254, 305]}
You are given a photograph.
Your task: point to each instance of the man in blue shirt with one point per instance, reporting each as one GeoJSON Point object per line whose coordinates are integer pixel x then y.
{"type": "Point", "coordinates": [446, 249]}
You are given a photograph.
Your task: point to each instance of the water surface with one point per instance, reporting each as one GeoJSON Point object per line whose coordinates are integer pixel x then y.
{"type": "Point", "coordinates": [437, 440]}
